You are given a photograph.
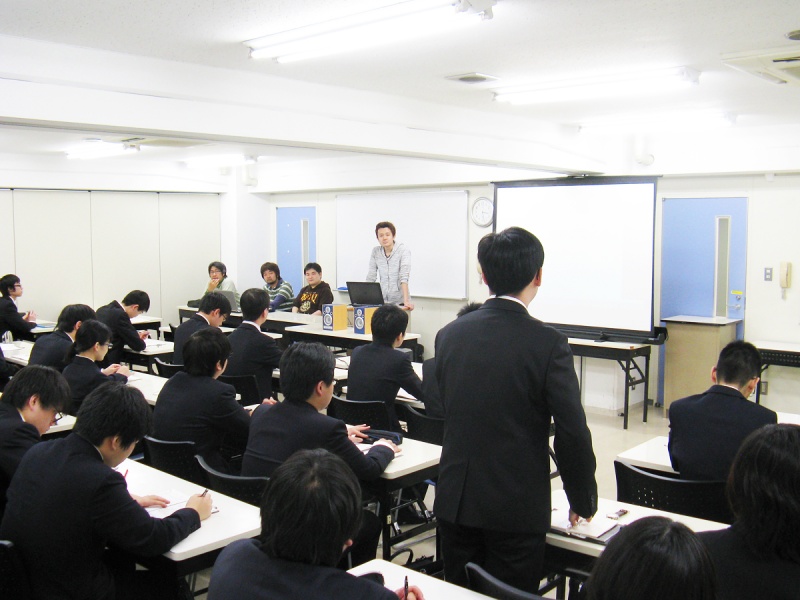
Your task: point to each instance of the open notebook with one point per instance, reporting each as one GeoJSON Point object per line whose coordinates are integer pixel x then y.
{"type": "Point", "coordinates": [599, 530]}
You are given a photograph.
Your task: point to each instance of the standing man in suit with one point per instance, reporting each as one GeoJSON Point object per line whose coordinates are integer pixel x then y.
{"type": "Point", "coordinates": [502, 376]}
{"type": "Point", "coordinates": [67, 505]}
{"type": "Point", "coordinates": [214, 309]}
{"type": "Point", "coordinates": [252, 352]}
{"type": "Point", "coordinates": [706, 430]}
{"type": "Point", "coordinates": [30, 404]}
{"type": "Point", "coordinates": [20, 325]}
{"type": "Point", "coordinates": [117, 316]}
{"type": "Point", "coordinates": [378, 371]}
{"type": "Point", "coordinates": [53, 350]}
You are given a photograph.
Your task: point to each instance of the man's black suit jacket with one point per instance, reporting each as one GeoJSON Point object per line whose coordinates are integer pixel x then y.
{"type": "Point", "coordinates": [430, 390]}
{"type": "Point", "coordinates": [280, 430]}
{"type": "Point", "coordinates": [706, 431]}
{"type": "Point", "coordinates": [65, 506]}
{"type": "Point", "coordinates": [122, 332]}
{"type": "Point", "coordinates": [11, 320]}
{"type": "Point", "coordinates": [377, 372]}
{"type": "Point", "coordinates": [84, 375]}
{"type": "Point", "coordinates": [243, 570]}
{"type": "Point", "coordinates": [502, 375]}
{"type": "Point", "coordinates": [16, 438]}
{"type": "Point", "coordinates": [52, 350]}
{"type": "Point", "coordinates": [253, 353]}
{"type": "Point", "coordinates": [200, 410]}
{"type": "Point", "coordinates": [5, 371]}
{"type": "Point", "coordinates": [184, 332]}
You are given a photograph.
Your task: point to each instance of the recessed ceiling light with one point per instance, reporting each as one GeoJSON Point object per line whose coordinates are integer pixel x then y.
{"type": "Point", "coordinates": [471, 78]}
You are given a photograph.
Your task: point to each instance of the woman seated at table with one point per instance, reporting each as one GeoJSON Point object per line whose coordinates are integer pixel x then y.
{"type": "Point", "coordinates": [654, 558]}
{"type": "Point", "coordinates": [83, 373]}
{"type": "Point", "coordinates": [220, 282]}
{"type": "Point", "coordinates": [759, 555]}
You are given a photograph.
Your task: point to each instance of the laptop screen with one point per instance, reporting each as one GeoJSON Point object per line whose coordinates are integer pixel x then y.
{"type": "Point", "coordinates": [363, 292]}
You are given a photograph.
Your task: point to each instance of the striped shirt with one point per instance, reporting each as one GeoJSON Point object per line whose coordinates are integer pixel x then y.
{"type": "Point", "coordinates": [281, 293]}
{"type": "Point", "coordinates": [391, 271]}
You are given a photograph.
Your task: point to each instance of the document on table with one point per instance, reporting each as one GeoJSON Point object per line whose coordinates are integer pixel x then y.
{"type": "Point", "coordinates": [150, 343]}
{"type": "Point", "coordinates": [176, 502]}
{"type": "Point", "coordinates": [600, 529]}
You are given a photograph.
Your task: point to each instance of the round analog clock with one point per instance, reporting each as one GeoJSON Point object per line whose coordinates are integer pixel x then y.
{"type": "Point", "coordinates": [482, 212]}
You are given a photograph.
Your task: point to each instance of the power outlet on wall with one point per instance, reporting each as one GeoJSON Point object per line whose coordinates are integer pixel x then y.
{"type": "Point", "coordinates": [763, 387]}
{"type": "Point", "coordinates": [768, 274]}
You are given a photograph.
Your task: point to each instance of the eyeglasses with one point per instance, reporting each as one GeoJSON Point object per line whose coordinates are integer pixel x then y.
{"type": "Point", "coordinates": [57, 417]}
{"type": "Point", "coordinates": [214, 272]}
{"type": "Point", "coordinates": [17, 285]}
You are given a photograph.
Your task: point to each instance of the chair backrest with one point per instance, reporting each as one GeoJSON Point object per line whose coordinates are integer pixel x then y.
{"type": "Point", "coordinates": [246, 489]}
{"type": "Point", "coordinates": [355, 412]}
{"type": "Point", "coordinates": [424, 428]}
{"type": "Point", "coordinates": [480, 581]}
{"type": "Point", "coordinates": [701, 499]}
{"type": "Point", "coordinates": [175, 458]}
{"type": "Point", "coordinates": [13, 577]}
{"type": "Point", "coordinates": [165, 369]}
{"type": "Point", "coordinates": [246, 386]}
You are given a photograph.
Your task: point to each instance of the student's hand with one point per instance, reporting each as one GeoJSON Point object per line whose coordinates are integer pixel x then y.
{"type": "Point", "coordinates": [123, 370]}
{"type": "Point", "coordinates": [356, 433]}
{"type": "Point", "coordinates": [202, 504]}
{"type": "Point", "coordinates": [111, 369]}
{"type": "Point", "coordinates": [269, 401]}
{"type": "Point", "coordinates": [151, 500]}
{"type": "Point", "coordinates": [575, 517]}
{"type": "Point", "coordinates": [212, 284]}
{"type": "Point", "coordinates": [30, 316]}
{"type": "Point", "coordinates": [388, 444]}
{"type": "Point", "coordinates": [414, 593]}
{"type": "Point", "coordinates": [143, 335]}
{"type": "Point", "coordinates": [408, 305]}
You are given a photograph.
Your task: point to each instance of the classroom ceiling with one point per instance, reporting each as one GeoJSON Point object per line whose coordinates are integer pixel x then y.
{"type": "Point", "coordinates": [527, 41]}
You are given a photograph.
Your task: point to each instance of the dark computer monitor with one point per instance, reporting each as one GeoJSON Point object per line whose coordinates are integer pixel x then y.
{"type": "Point", "coordinates": [365, 293]}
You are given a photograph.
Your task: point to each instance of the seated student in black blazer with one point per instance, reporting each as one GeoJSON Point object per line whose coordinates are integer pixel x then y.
{"type": "Point", "coordinates": [378, 371]}
{"type": "Point", "coordinates": [20, 325]}
{"type": "Point", "coordinates": [54, 350]}
{"type": "Point", "coordinates": [67, 504]}
{"type": "Point", "coordinates": [118, 318]}
{"type": "Point", "coordinates": [5, 371]}
{"type": "Point", "coordinates": [214, 309]}
{"type": "Point", "coordinates": [252, 352]}
{"type": "Point", "coordinates": [83, 373]}
{"type": "Point", "coordinates": [759, 555]}
{"type": "Point", "coordinates": [193, 406]}
{"type": "Point", "coordinates": [310, 513]}
{"type": "Point", "coordinates": [31, 403]}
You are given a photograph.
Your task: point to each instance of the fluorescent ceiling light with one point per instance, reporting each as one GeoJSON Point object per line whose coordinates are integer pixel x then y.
{"type": "Point", "coordinates": [402, 21]}
{"type": "Point", "coordinates": [96, 148]}
{"type": "Point", "coordinates": [218, 161]}
{"type": "Point", "coordinates": [613, 86]}
{"type": "Point", "coordinates": [653, 123]}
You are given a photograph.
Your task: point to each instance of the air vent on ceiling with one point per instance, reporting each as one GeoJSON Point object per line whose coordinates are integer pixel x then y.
{"type": "Point", "coordinates": [779, 66]}
{"type": "Point", "coordinates": [163, 142]}
{"type": "Point", "coordinates": [471, 78]}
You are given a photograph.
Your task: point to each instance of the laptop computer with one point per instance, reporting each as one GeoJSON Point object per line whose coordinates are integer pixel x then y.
{"type": "Point", "coordinates": [364, 293]}
{"type": "Point", "coordinates": [231, 298]}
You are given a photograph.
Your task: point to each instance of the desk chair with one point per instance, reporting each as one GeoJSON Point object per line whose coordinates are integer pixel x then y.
{"type": "Point", "coordinates": [13, 577]}
{"type": "Point", "coordinates": [246, 386]}
{"type": "Point", "coordinates": [482, 582]}
{"type": "Point", "coordinates": [355, 412]}
{"type": "Point", "coordinates": [246, 489]}
{"type": "Point", "coordinates": [701, 499]}
{"type": "Point", "coordinates": [422, 427]}
{"type": "Point", "coordinates": [175, 458]}
{"type": "Point", "coordinates": [165, 369]}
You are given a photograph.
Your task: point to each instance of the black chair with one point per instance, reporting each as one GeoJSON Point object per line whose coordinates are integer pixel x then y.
{"type": "Point", "coordinates": [246, 489]}
{"type": "Point", "coordinates": [246, 386]}
{"type": "Point", "coordinates": [355, 412]}
{"type": "Point", "coordinates": [701, 499]}
{"type": "Point", "coordinates": [175, 458]}
{"type": "Point", "coordinates": [478, 580]}
{"type": "Point", "coordinates": [424, 428]}
{"type": "Point", "coordinates": [165, 369]}
{"type": "Point", "coordinates": [13, 577]}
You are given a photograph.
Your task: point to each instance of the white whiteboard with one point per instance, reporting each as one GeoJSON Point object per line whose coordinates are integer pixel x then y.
{"type": "Point", "coordinates": [598, 251]}
{"type": "Point", "coordinates": [432, 225]}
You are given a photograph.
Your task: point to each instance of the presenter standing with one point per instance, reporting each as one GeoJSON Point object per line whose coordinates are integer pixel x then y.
{"type": "Point", "coordinates": [390, 263]}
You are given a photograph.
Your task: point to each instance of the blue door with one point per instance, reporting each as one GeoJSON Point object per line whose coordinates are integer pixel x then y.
{"type": "Point", "coordinates": [296, 237]}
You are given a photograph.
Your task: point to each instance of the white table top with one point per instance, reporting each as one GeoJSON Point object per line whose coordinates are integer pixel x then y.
{"type": "Point", "coordinates": [316, 329]}
{"type": "Point", "coordinates": [604, 507]}
{"type": "Point", "coordinates": [416, 456]}
{"type": "Point", "coordinates": [700, 320]}
{"type": "Point", "coordinates": [278, 315]}
{"type": "Point", "coordinates": [434, 589]}
{"type": "Point", "coordinates": [234, 521]}
{"type": "Point", "coordinates": [146, 320]}
{"type": "Point", "coordinates": [154, 348]}
{"type": "Point", "coordinates": [18, 353]}
{"type": "Point", "coordinates": [44, 326]}
{"type": "Point", "coordinates": [614, 345]}
{"type": "Point", "coordinates": [652, 454]}
{"type": "Point", "coordinates": [783, 346]}
{"type": "Point", "coordinates": [65, 423]}
{"type": "Point", "coordinates": [149, 385]}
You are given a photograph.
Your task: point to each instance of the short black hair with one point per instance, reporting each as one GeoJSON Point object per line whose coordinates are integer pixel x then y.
{"type": "Point", "coordinates": [253, 303]}
{"type": "Point", "coordinates": [385, 225]}
{"type": "Point", "coordinates": [738, 363]}
{"type": "Point", "coordinates": [388, 321]}
{"type": "Point", "coordinates": [271, 266]}
{"type": "Point", "coordinates": [114, 409]}
{"type": "Point", "coordinates": [7, 283]}
{"type": "Point", "coordinates": [510, 259]}
{"type": "Point", "coordinates": [137, 297]}
{"type": "Point", "coordinates": [764, 491]}
{"type": "Point", "coordinates": [468, 308]}
{"type": "Point", "coordinates": [203, 350]}
{"type": "Point", "coordinates": [219, 266]}
{"type": "Point", "coordinates": [313, 265]}
{"type": "Point", "coordinates": [302, 367]}
{"type": "Point", "coordinates": [213, 301]}
{"type": "Point", "coordinates": [71, 314]}
{"type": "Point", "coordinates": [37, 380]}
{"type": "Point", "coordinates": [311, 507]}
{"type": "Point", "coordinates": [654, 558]}
{"type": "Point", "coordinates": [90, 333]}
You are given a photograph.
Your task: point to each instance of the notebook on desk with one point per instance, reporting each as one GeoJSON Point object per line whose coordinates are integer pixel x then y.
{"type": "Point", "coordinates": [599, 530]}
